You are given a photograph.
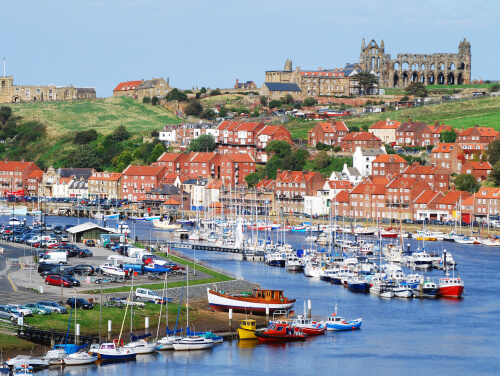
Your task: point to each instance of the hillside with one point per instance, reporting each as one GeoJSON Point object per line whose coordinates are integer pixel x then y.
{"type": "Point", "coordinates": [103, 115]}
{"type": "Point", "coordinates": [459, 114]}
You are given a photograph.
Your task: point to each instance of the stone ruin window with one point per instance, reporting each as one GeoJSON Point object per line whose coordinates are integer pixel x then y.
{"type": "Point", "coordinates": [422, 67]}
{"type": "Point", "coordinates": [3, 83]}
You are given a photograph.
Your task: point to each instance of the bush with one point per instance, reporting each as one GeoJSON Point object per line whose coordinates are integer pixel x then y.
{"type": "Point", "coordinates": [309, 102]}
{"type": "Point", "coordinates": [154, 101]}
{"type": "Point", "coordinates": [84, 137]}
{"type": "Point", "coordinates": [274, 104]}
{"type": "Point", "coordinates": [215, 92]}
{"type": "Point", "coordinates": [176, 95]}
{"type": "Point", "coordinates": [146, 100]}
{"type": "Point", "coordinates": [194, 108]}
{"type": "Point", "coordinates": [495, 88]}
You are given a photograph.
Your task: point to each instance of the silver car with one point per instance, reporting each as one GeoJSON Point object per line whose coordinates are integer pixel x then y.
{"type": "Point", "coordinates": [9, 313]}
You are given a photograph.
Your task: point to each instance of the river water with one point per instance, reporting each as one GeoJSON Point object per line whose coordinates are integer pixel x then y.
{"type": "Point", "coordinates": [398, 337]}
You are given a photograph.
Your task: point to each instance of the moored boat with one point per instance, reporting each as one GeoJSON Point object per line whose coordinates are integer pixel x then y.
{"type": "Point", "coordinates": [451, 287]}
{"type": "Point", "coordinates": [280, 332]}
{"type": "Point", "coordinates": [309, 327]}
{"type": "Point", "coordinates": [193, 343]}
{"type": "Point", "coordinates": [79, 358]}
{"type": "Point", "coordinates": [256, 302]}
{"type": "Point", "coordinates": [247, 329]}
{"type": "Point", "coordinates": [336, 323]}
{"type": "Point", "coordinates": [109, 351]}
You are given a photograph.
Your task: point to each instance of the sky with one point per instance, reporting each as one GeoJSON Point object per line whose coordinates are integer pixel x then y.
{"type": "Point", "coordinates": [99, 43]}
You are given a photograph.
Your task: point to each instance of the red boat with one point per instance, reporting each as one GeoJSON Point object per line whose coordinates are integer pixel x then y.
{"type": "Point", "coordinates": [280, 332]}
{"type": "Point", "coordinates": [451, 287]}
{"type": "Point", "coordinates": [388, 233]}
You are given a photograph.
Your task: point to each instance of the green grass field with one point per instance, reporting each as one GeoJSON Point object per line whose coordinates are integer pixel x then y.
{"type": "Point", "coordinates": [103, 115]}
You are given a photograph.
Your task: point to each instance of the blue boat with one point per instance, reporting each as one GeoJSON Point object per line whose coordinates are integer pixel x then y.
{"type": "Point", "coordinates": [336, 323]}
{"type": "Point", "coordinates": [357, 284]}
{"type": "Point", "coordinates": [111, 352]}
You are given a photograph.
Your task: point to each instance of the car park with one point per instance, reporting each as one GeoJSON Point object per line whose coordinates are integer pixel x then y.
{"type": "Point", "coordinates": [90, 243]}
{"type": "Point", "coordinates": [37, 309]}
{"type": "Point", "coordinates": [8, 313]}
{"type": "Point", "coordinates": [57, 280]}
{"type": "Point", "coordinates": [22, 310]}
{"type": "Point", "coordinates": [84, 253]}
{"type": "Point", "coordinates": [80, 303]}
{"type": "Point", "coordinates": [55, 257]}
{"type": "Point", "coordinates": [52, 306]}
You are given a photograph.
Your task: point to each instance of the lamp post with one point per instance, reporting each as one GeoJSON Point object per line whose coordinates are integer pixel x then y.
{"type": "Point", "coordinates": [61, 269]}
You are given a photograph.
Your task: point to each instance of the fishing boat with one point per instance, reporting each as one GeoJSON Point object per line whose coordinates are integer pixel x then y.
{"type": "Point", "coordinates": [357, 284]}
{"type": "Point", "coordinates": [280, 332]}
{"type": "Point", "coordinates": [451, 287]}
{"type": "Point", "coordinates": [247, 329]}
{"type": "Point", "coordinates": [181, 233]}
{"type": "Point", "coordinates": [110, 351]}
{"type": "Point", "coordinates": [403, 290]}
{"type": "Point", "coordinates": [275, 259]}
{"type": "Point", "coordinates": [298, 228]}
{"type": "Point", "coordinates": [146, 217]}
{"type": "Point", "coordinates": [256, 302]}
{"type": "Point", "coordinates": [337, 323]}
{"type": "Point", "coordinates": [112, 270]}
{"type": "Point", "coordinates": [79, 358]}
{"type": "Point", "coordinates": [293, 264]}
{"type": "Point", "coordinates": [425, 289]}
{"type": "Point", "coordinates": [165, 225]}
{"type": "Point", "coordinates": [388, 233]}
{"type": "Point", "coordinates": [425, 235]}
{"type": "Point", "coordinates": [309, 327]}
{"type": "Point", "coordinates": [29, 360]}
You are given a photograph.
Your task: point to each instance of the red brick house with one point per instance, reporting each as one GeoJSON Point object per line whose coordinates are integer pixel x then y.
{"type": "Point", "coordinates": [34, 178]}
{"type": "Point", "coordinates": [367, 200]}
{"type": "Point", "coordinates": [14, 177]}
{"type": "Point", "coordinates": [386, 164]}
{"type": "Point", "coordinates": [401, 192]}
{"type": "Point", "coordinates": [481, 205]}
{"type": "Point", "coordinates": [266, 135]}
{"type": "Point", "coordinates": [425, 205]}
{"type": "Point", "coordinates": [437, 129]}
{"type": "Point", "coordinates": [236, 136]}
{"type": "Point", "coordinates": [414, 134]}
{"type": "Point", "coordinates": [138, 180]}
{"type": "Point", "coordinates": [480, 170]}
{"type": "Point", "coordinates": [444, 155]}
{"type": "Point", "coordinates": [342, 203]}
{"type": "Point", "coordinates": [327, 133]}
{"type": "Point", "coordinates": [437, 178]}
{"type": "Point", "coordinates": [362, 139]}
{"type": "Point", "coordinates": [448, 205]}
{"type": "Point", "coordinates": [469, 152]}
{"type": "Point", "coordinates": [291, 187]}
{"type": "Point", "coordinates": [477, 134]}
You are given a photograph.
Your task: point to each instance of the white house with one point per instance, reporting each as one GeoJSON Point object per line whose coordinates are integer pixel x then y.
{"type": "Point", "coordinates": [167, 134]}
{"type": "Point", "coordinates": [363, 157]}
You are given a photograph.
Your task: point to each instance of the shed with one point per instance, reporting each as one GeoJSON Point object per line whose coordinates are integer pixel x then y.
{"type": "Point", "coordinates": [88, 230]}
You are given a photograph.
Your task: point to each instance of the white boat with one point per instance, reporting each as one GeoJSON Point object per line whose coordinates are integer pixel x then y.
{"type": "Point", "coordinates": [165, 225]}
{"type": "Point", "coordinates": [490, 242]}
{"type": "Point", "coordinates": [167, 343]}
{"type": "Point", "coordinates": [112, 269]}
{"type": "Point", "coordinates": [55, 356]}
{"type": "Point", "coordinates": [109, 351]}
{"type": "Point", "coordinates": [122, 228]}
{"type": "Point", "coordinates": [402, 290]}
{"type": "Point", "coordinates": [141, 346]}
{"type": "Point", "coordinates": [13, 221]}
{"type": "Point", "coordinates": [29, 360]}
{"type": "Point", "coordinates": [79, 358]}
{"type": "Point", "coordinates": [181, 233]}
{"type": "Point", "coordinates": [312, 270]}
{"type": "Point", "coordinates": [420, 260]}
{"type": "Point", "coordinates": [292, 263]}
{"type": "Point", "coordinates": [193, 343]}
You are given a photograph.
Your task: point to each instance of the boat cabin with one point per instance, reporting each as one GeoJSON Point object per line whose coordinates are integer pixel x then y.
{"type": "Point", "coordinates": [335, 320]}
{"type": "Point", "coordinates": [268, 294]}
{"type": "Point", "coordinates": [248, 324]}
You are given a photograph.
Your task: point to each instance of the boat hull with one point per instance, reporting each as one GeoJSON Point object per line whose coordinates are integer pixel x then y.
{"type": "Point", "coordinates": [354, 324]}
{"type": "Point", "coordinates": [451, 291]}
{"type": "Point", "coordinates": [265, 337]}
{"type": "Point", "coordinates": [246, 333]}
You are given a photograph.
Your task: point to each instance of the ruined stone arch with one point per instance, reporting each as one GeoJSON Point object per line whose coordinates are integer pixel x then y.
{"type": "Point", "coordinates": [405, 66]}
{"type": "Point", "coordinates": [3, 83]}
{"type": "Point", "coordinates": [373, 62]}
{"type": "Point", "coordinates": [461, 66]}
{"type": "Point", "coordinates": [431, 79]}
{"type": "Point", "coordinates": [422, 67]}
{"type": "Point", "coordinates": [16, 99]}
{"type": "Point", "coordinates": [440, 78]}
{"type": "Point", "coordinates": [395, 79]}
{"type": "Point", "coordinates": [422, 79]}
{"type": "Point", "coordinates": [405, 79]}
{"type": "Point", "coordinates": [433, 66]}
{"type": "Point", "coordinates": [450, 80]}
{"type": "Point", "coordinates": [396, 66]}
{"type": "Point", "coordinates": [452, 66]}
{"type": "Point", "coordinates": [460, 79]}
{"type": "Point", "coordinates": [378, 63]}
{"type": "Point", "coordinates": [441, 66]}
{"type": "Point", "coordinates": [414, 67]}
{"type": "Point", "coordinates": [414, 77]}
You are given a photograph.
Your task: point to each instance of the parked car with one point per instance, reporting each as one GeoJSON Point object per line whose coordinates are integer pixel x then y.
{"type": "Point", "coordinates": [89, 243]}
{"type": "Point", "coordinates": [52, 306]}
{"type": "Point", "coordinates": [46, 267]}
{"type": "Point", "coordinates": [73, 280]}
{"type": "Point", "coordinates": [37, 309]}
{"type": "Point", "coordinates": [57, 271]}
{"type": "Point", "coordinates": [84, 253]}
{"type": "Point", "coordinates": [57, 280]}
{"type": "Point", "coordinates": [64, 238]}
{"type": "Point", "coordinates": [22, 310]}
{"type": "Point", "coordinates": [80, 303]}
{"type": "Point", "coordinates": [8, 313]}
{"type": "Point", "coordinates": [84, 270]}
{"type": "Point", "coordinates": [149, 295]}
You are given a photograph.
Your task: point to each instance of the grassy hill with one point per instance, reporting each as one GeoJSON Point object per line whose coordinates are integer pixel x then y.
{"type": "Point", "coordinates": [103, 115]}
{"type": "Point", "coordinates": [460, 114]}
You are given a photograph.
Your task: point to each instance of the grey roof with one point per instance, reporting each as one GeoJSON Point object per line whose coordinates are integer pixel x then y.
{"type": "Point", "coordinates": [278, 86]}
{"type": "Point", "coordinates": [148, 84]}
{"type": "Point", "coordinates": [371, 152]}
{"type": "Point", "coordinates": [78, 184]}
{"type": "Point", "coordinates": [353, 171]}
{"type": "Point", "coordinates": [338, 175]}
{"type": "Point", "coordinates": [76, 172]}
{"type": "Point", "coordinates": [166, 189]}
{"type": "Point", "coordinates": [86, 227]}
{"type": "Point", "coordinates": [190, 181]}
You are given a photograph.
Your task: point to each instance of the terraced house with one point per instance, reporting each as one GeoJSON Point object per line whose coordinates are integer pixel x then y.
{"type": "Point", "coordinates": [138, 180]}
{"type": "Point", "coordinates": [327, 133]}
{"type": "Point", "coordinates": [105, 185]}
{"type": "Point", "coordinates": [14, 177]}
{"type": "Point", "coordinates": [362, 139]}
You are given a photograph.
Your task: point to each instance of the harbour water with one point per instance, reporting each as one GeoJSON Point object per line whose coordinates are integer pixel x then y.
{"type": "Point", "coordinates": [398, 337]}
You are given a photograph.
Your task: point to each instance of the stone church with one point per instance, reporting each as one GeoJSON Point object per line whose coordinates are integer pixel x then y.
{"type": "Point", "coordinates": [434, 69]}
{"type": "Point", "coordinates": [10, 93]}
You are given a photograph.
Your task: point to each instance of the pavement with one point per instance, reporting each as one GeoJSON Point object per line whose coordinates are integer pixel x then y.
{"type": "Point", "coordinates": [20, 285]}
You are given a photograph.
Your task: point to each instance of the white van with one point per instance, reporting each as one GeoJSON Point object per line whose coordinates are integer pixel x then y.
{"type": "Point", "coordinates": [137, 252]}
{"type": "Point", "coordinates": [149, 295]}
{"type": "Point", "coordinates": [55, 258]}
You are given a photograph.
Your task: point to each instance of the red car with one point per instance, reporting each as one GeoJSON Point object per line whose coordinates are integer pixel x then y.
{"type": "Point", "coordinates": [56, 281]}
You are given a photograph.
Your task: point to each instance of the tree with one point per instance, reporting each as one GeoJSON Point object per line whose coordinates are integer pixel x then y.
{"type": "Point", "coordinates": [156, 153]}
{"type": "Point", "coordinates": [405, 98]}
{"type": "Point", "coordinates": [353, 128]}
{"type": "Point", "coordinates": [5, 114]}
{"type": "Point", "coordinates": [203, 143]}
{"type": "Point", "coordinates": [417, 89]}
{"type": "Point", "coordinates": [467, 182]}
{"type": "Point", "coordinates": [84, 137]}
{"type": "Point", "coordinates": [448, 136]}
{"type": "Point", "coordinates": [287, 99]}
{"type": "Point", "coordinates": [223, 112]}
{"type": "Point", "coordinates": [493, 152]}
{"type": "Point", "coordinates": [208, 114]}
{"type": "Point", "coordinates": [83, 157]}
{"type": "Point", "coordinates": [300, 157]}
{"type": "Point", "coordinates": [176, 95]}
{"type": "Point", "coordinates": [279, 148]}
{"type": "Point", "coordinates": [252, 179]}
{"type": "Point", "coordinates": [263, 100]}
{"type": "Point", "coordinates": [215, 92]}
{"type": "Point", "coordinates": [146, 100]}
{"type": "Point", "coordinates": [155, 100]}
{"type": "Point", "coordinates": [203, 90]}
{"type": "Point", "coordinates": [125, 158]}
{"type": "Point", "coordinates": [495, 174]}
{"type": "Point", "coordinates": [321, 160]}
{"type": "Point", "coordinates": [365, 80]}
{"type": "Point", "coordinates": [310, 101]}
{"type": "Point", "coordinates": [495, 88]}
{"type": "Point", "coordinates": [272, 166]}
{"type": "Point", "coordinates": [193, 108]}
{"type": "Point", "coordinates": [120, 134]}
{"type": "Point", "coordinates": [274, 104]}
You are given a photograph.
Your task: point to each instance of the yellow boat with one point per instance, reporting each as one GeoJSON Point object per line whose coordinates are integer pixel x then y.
{"type": "Point", "coordinates": [247, 329]}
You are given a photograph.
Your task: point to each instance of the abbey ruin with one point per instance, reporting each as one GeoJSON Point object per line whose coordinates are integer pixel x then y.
{"type": "Point", "coordinates": [434, 69]}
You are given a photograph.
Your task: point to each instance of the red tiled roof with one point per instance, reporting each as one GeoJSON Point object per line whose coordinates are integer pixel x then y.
{"type": "Point", "coordinates": [13, 165]}
{"type": "Point", "coordinates": [443, 148]}
{"type": "Point", "coordinates": [170, 201]}
{"type": "Point", "coordinates": [483, 131]}
{"type": "Point", "coordinates": [111, 176]}
{"type": "Point", "coordinates": [386, 124]}
{"type": "Point", "coordinates": [469, 146]}
{"type": "Point", "coordinates": [426, 197]}
{"type": "Point", "coordinates": [480, 165]}
{"type": "Point", "coordinates": [170, 178]}
{"type": "Point", "coordinates": [240, 157]}
{"type": "Point", "coordinates": [389, 158]}
{"type": "Point", "coordinates": [248, 126]}
{"type": "Point", "coordinates": [453, 197]}
{"type": "Point", "coordinates": [168, 157]}
{"type": "Point", "coordinates": [202, 157]}
{"type": "Point", "coordinates": [420, 170]}
{"type": "Point", "coordinates": [129, 85]}
{"type": "Point", "coordinates": [214, 184]}
{"type": "Point", "coordinates": [35, 174]}
{"type": "Point", "coordinates": [342, 196]}
{"type": "Point", "coordinates": [143, 170]}
{"type": "Point", "coordinates": [375, 189]}
{"type": "Point", "coordinates": [488, 192]}
{"type": "Point", "coordinates": [224, 124]}
{"type": "Point", "coordinates": [360, 136]}
{"type": "Point", "coordinates": [295, 176]}
{"type": "Point", "coordinates": [340, 184]}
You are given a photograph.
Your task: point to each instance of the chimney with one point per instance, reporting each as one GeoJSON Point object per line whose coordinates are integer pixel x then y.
{"type": "Point", "coordinates": [298, 69]}
{"type": "Point", "coordinates": [236, 81]}
{"type": "Point", "coordinates": [415, 164]}
{"type": "Point", "coordinates": [319, 68]}
{"type": "Point", "coordinates": [436, 123]}
{"type": "Point", "coordinates": [410, 120]}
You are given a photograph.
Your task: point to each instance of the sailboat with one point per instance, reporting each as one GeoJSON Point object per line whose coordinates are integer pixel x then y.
{"type": "Point", "coordinates": [192, 342]}
{"type": "Point", "coordinates": [167, 343]}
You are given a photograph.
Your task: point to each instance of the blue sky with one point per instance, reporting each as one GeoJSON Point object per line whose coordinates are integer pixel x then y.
{"type": "Point", "coordinates": [212, 43]}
